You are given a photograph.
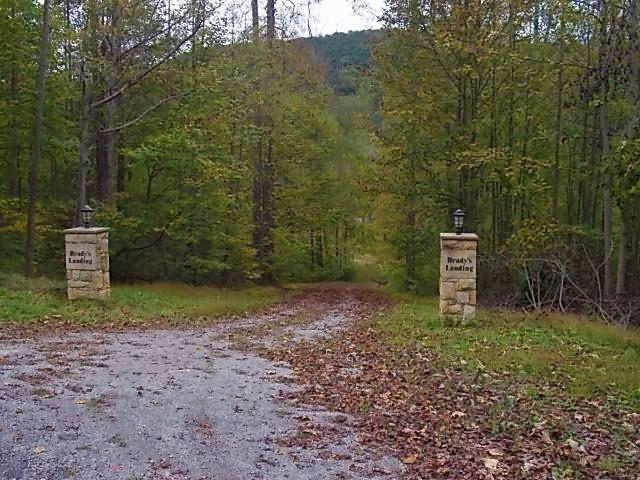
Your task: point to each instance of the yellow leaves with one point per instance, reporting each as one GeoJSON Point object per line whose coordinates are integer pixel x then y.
{"type": "Point", "coordinates": [492, 464]}
{"type": "Point", "coordinates": [496, 452]}
{"type": "Point", "coordinates": [410, 459]}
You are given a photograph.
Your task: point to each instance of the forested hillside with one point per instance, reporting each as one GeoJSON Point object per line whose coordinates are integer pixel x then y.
{"type": "Point", "coordinates": [221, 151]}
{"type": "Point", "coordinates": [347, 57]}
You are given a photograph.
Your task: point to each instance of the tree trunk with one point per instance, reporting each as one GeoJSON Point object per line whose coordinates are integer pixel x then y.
{"type": "Point", "coordinates": [338, 255]}
{"type": "Point", "coordinates": [107, 140]}
{"type": "Point", "coordinates": [13, 149]}
{"type": "Point", "coordinates": [583, 186]}
{"type": "Point", "coordinates": [312, 246]}
{"type": "Point", "coordinates": [84, 146]}
{"type": "Point", "coordinates": [257, 210]}
{"type": "Point", "coordinates": [558, 140]}
{"type": "Point", "coordinates": [111, 145]}
{"type": "Point", "coordinates": [103, 166]}
{"type": "Point", "coordinates": [607, 210]}
{"type": "Point", "coordinates": [621, 290]}
{"type": "Point", "coordinates": [635, 255]}
{"type": "Point", "coordinates": [633, 92]}
{"type": "Point", "coordinates": [13, 159]}
{"type": "Point", "coordinates": [195, 21]}
{"type": "Point", "coordinates": [257, 152]}
{"type": "Point", "coordinates": [266, 247]}
{"type": "Point", "coordinates": [263, 184]}
{"type": "Point", "coordinates": [410, 221]}
{"type": "Point", "coordinates": [255, 21]}
{"type": "Point", "coordinates": [36, 153]}
{"type": "Point", "coordinates": [121, 174]}
{"type": "Point", "coordinates": [111, 150]}
{"type": "Point", "coordinates": [596, 147]}
{"type": "Point", "coordinates": [410, 250]}
{"type": "Point", "coordinates": [271, 21]}
{"type": "Point", "coordinates": [320, 249]}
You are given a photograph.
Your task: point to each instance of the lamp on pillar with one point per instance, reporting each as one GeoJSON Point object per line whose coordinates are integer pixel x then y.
{"type": "Point", "coordinates": [87, 214]}
{"type": "Point", "coordinates": [458, 265]}
{"type": "Point", "coordinates": [458, 220]}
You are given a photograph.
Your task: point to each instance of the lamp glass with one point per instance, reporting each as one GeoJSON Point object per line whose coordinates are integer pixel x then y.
{"type": "Point", "coordinates": [458, 220]}
{"type": "Point", "coordinates": [87, 213]}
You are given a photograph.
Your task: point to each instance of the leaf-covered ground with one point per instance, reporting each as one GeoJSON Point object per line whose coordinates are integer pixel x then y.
{"type": "Point", "coordinates": [506, 398]}
{"type": "Point", "coordinates": [451, 413]}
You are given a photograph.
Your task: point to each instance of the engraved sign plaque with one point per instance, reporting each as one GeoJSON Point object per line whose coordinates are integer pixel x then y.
{"type": "Point", "coordinates": [81, 256]}
{"type": "Point", "coordinates": [458, 264]}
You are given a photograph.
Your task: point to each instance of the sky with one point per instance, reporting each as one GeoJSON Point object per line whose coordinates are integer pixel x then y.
{"type": "Point", "coordinates": [330, 16]}
{"type": "Point", "coordinates": [327, 16]}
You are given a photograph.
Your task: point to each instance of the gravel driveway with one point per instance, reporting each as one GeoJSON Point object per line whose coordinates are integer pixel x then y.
{"type": "Point", "coordinates": [179, 404]}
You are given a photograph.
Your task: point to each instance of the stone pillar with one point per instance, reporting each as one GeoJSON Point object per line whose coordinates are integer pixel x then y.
{"type": "Point", "coordinates": [458, 276]}
{"type": "Point", "coordinates": [87, 261]}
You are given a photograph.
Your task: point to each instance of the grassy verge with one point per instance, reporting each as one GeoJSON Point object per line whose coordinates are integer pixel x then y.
{"type": "Point", "coordinates": [545, 357]}
{"type": "Point", "coordinates": [26, 303]}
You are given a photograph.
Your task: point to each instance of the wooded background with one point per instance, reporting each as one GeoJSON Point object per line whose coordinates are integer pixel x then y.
{"type": "Point", "coordinates": [222, 148]}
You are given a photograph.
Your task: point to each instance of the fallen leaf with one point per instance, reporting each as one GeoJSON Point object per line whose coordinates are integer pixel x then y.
{"type": "Point", "coordinates": [491, 464]}
{"type": "Point", "coordinates": [496, 452]}
{"type": "Point", "coordinates": [410, 460]}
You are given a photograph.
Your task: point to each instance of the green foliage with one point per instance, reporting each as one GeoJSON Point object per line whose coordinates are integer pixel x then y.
{"type": "Point", "coordinates": [372, 139]}
{"type": "Point", "coordinates": [184, 209]}
{"type": "Point", "coordinates": [491, 109]}
{"type": "Point", "coordinates": [18, 36]}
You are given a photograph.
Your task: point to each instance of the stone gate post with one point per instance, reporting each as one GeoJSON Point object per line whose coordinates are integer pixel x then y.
{"type": "Point", "coordinates": [458, 276]}
{"type": "Point", "coordinates": [87, 263]}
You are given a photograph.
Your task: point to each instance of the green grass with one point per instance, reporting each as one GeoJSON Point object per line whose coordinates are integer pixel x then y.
{"type": "Point", "coordinates": [587, 358]}
{"type": "Point", "coordinates": [27, 302]}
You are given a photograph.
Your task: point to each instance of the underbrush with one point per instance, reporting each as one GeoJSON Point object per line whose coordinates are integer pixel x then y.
{"type": "Point", "coordinates": [547, 356]}
{"type": "Point", "coordinates": [30, 302]}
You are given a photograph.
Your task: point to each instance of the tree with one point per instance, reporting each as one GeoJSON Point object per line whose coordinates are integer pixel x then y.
{"type": "Point", "coordinates": [19, 27]}
{"type": "Point", "coordinates": [114, 60]}
{"type": "Point", "coordinates": [36, 153]}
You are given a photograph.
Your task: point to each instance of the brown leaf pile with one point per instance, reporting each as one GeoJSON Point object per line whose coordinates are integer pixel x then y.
{"type": "Point", "coordinates": [444, 422]}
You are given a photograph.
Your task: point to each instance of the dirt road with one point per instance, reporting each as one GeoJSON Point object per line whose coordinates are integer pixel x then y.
{"type": "Point", "coordinates": [180, 404]}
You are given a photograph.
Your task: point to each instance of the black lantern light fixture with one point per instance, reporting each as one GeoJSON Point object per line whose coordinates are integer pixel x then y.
{"type": "Point", "coordinates": [458, 220]}
{"type": "Point", "coordinates": [87, 214]}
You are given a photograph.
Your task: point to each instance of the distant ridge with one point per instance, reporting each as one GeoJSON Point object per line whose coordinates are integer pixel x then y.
{"type": "Point", "coordinates": [343, 53]}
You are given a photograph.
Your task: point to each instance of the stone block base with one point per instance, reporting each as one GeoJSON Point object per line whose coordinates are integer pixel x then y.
{"type": "Point", "coordinates": [458, 278]}
{"type": "Point", "coordinates": [78, 293]}
{"type": "Point", "coordinates": [87, 251]}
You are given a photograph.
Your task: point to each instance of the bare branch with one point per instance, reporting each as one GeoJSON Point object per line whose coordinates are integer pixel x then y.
{"type": "Point", "coordinates": [155, 35]}
{"type": "Point", "coordinates": [112, 96]}
{"type": "Point", "coordinates": [150, 244]}
{"type": "Point", "coordinates": [143, 114]}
